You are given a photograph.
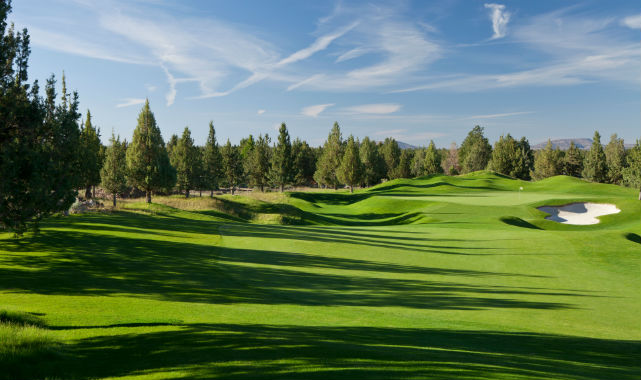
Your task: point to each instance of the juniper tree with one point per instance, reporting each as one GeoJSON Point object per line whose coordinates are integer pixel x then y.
{"type": "Point", "coordinates": [351, 169]}
{"type": "Point", "coordinates": [615, 159]}
{"type": "Point", "coordinates": [573, 161]}
{"type": "Point", "coordinates": [259, 162]}
{"type": "Point", "coordinates": [212, 161]}
{"type": "Point", "coordinates": [90, 161]}
{"type": "Point", "coordinates": [187, 162]}
{"type": "Point", "coordinates": [232, 165]}
{"type": "Point", "coordinates": [113, 173]}
{"type": "Point", "coordinates": [282, 161]}
{"type": "Point", "coordinates": [148, 163]}
{"type": "Point", "coordinates": [330, 159]}
{"type": "Point", "coordinates": [475, 151]}
{"type": "Point", "coordinates": [547, 162]}
{"type": "Point", "coordinates": [373, 162]}
{"type": "Point", "coordinates": [594, 165]}
{"type": "Point", "coordinates": [432, 161]}
{"type": "Point", "coordinates": [304, 162]}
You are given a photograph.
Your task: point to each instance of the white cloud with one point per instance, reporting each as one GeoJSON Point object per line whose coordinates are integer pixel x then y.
{"type": "Point", "coordinates": [315, 110]}
{"type": "Point", "coordinates": [377, 109]}
{"type": "Point", "coordinates": [260, 112]}
{"type": "Point", "coordinates": [127, 102]}
{"type": "Point", "coordinates": [500, 18]}
{"type": "Point", "coordinates": [321, 43]}
{"type": "Point", "coordinates": [150, 87]}
{"type": "Point", "coordinates": [633, 22]}
{"type": "Point", "coordinates": [497, 115]}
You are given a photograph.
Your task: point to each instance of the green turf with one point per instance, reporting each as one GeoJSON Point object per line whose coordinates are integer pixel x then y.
{"type": "Point", "coordinates": [436, 277]}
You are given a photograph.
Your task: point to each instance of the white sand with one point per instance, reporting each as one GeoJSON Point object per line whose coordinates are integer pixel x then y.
{"type": "Point", "coordinates": [579, 213]}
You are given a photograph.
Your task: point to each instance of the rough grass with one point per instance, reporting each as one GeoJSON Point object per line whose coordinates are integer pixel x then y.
{"type": "Point", "coordinates": [435, 277]}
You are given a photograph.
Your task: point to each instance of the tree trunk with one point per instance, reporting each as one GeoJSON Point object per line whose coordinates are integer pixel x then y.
{"type": "Point", "coordinates": [335, 186]}
{"type": "Point", "coordinates": [351, 189]}
{"type": "Point", "coordinates": [262, 188]}
{"type": "Point", "coordinates": [282, 187]}
{"type": "Point", "coordinates": [93, 191]}
{"type": "Point", "coordinates": [201, 193]}
{"type": "Point", "coordinates": [187, 193]}
{"type": "Point", "coordinates": [232, 190]}
{"type": "Point", "coordinates": [114, 197]}
{"type": "Point", "coordinates": [87, 192]}
{"type": "Point", "coordinates": [211, 195]}
{"type": "Point", "coordinates": [148, 196]}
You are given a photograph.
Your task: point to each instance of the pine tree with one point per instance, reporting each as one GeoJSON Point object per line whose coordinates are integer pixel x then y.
{"type": "Point", "coordinates": [351, 170]}
{"type": "Point", "coordinates": [450, 162]}
{"type": "Point", "coordinates": [547, 162]}
{"type": "Point", "coordinates": [113, 173]}
{"type": "Point", "coordinates": [632, 172]}
{"type": "Point", "coordinates": [260, 159]}
{"type": "Point", "coordinates": [91, 163]}
{"type": "Point", "coordinates": [39, 155]}
{"type": "Point", "coordinates": [282, 161]}
{"type": "Point", "coordinates": [417, 167]}
{"type": "Point", "coordinates": [373, 162]}
{"type": "Point", "coordinates": [392, 156]}
{"type": "Point", "coordinates": [232, 165]}
{"type": "Point", "coordinates": [573, 161]}
{"type": "Point", "coordinates": [615, 159]}
{"type": "Point", "coordinates": [187, 162]}
{"type": "Point", "coordinates": [330, 159]}
{"type": "Point", "coordinates": [504, 155]}
{"type": "Point", "coordinates": [594, 165]}
{"type": "Point", "coordinates": [212, 161]}
{"type": "Point", "coordinates": [246, 149]}
{"type": "Point", "coordinates": [147, 159]}
{"type": "Point", "coordinates": [432, 162]}
{"type": "Point", "coordinates": [475, 152]}
{"type": "Point", "coordinates": [304, 164]}
{"type": "Point", "coordinates": [524, 160]}
{"type": "Point", "coordinates": [404, 168]}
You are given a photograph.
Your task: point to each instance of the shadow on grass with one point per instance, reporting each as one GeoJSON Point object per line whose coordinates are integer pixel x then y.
{"type": "Point", "coordinates": [518, 222]}
{"type": "Point", "coordinates": [633, 237]}
{"type": "Point", "coordinates": [233, 351]}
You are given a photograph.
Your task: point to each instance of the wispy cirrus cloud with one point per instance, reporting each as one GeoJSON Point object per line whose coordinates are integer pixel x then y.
{"type": "Point", "coordinates": [373, 109]}
{"type": "Point", "coordinates": [128, 102]}
{"type": "Point", "coordinates": [500, 17]}
{"type": "Point", "coordinates": [497, 115]}
{"type": "Point", "coordinates": [632, 22]}
{"type": "Point", "coordinates": [260, 112]}
{"type": "Point", "coordinates": [315, 110]}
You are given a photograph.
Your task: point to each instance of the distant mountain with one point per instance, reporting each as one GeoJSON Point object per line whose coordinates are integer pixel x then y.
{"type": "Point", "coordinates": [564, 144]}
{"type": "Point", "coordinates": [403, 145]}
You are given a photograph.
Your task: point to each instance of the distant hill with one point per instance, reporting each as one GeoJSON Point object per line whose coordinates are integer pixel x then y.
{"type": "Point", "coordinates": [403, 145]}
{"type": "Point", "coordinates": [564, 144]}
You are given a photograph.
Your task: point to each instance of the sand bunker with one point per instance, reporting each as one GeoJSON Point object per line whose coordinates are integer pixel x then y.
{"type": "Point", "coordinates": [579, 213]}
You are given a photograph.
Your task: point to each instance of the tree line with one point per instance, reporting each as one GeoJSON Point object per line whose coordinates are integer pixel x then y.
{"type": "Point", "coordinates": [47, 153]}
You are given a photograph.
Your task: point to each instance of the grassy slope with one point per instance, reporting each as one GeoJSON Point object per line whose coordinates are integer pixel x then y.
{"type": "Point", "coordinates": [428, 278]}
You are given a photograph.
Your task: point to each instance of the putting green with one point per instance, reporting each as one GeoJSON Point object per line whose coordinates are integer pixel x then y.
{"type": "Point", "coordinates": [435, 277]}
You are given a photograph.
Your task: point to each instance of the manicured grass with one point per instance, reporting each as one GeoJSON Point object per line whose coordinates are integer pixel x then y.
{"type": "Point", "coordinates": [436, 277]}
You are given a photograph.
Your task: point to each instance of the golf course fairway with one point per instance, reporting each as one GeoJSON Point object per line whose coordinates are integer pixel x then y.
{"type": "Point", "coordinates": [433, 278]}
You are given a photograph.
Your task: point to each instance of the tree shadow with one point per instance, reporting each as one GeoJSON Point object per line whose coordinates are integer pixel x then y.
{"type": "Point", "coordinates": [234, 351]}
{"type": "Point", "coordinates": [633, 237]}
{"type": "Point", "coordinates": [518, 222]}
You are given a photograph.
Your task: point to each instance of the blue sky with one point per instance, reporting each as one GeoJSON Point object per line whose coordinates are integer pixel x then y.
{"type": "Point", "coordinates": [411, 70]}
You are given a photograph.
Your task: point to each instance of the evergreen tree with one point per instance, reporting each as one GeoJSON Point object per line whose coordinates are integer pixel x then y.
{"type": "Point", "coordinates": [594, 165]}
{"type": "Point", "coordinates": [39, 155]}
{"type": "Point", "coordinates": [392, 156]}
{"type": "Point", "coordinates": [573, 161]}
{"type": "Point", "coordinates": [330, 159]}
{"type": "Point", "coordinates": [450, 162]}
{"type": "Point", "coordinates": [475, 152]}
{"type": "Point", "coordinates": [187, 163]}
{"type": "Point", "coordinates": [260, 159]}
{"type": "Point", "coordinates": [417, 168]}
{"type": "Point", "coordinates": [351, 170]}
{"type": "Point", "coordinates": [91, 162]}
{"type": "Point", "coordinates": [504, 155]}
{"type": "Point", "coordinates": [304, 162]}
{"type": "Point", "coordinates": [212, 161]}
{"type": "Point", "coordinates": [147, 159]}
{"type": "Point", "coordinates": [113, 173]}
{"type": "Point", "coordinates": [282, 162]}
{"type": "Point", "coordinates": [171, 149]}
{"type": "Point", "coordinates": [632, 173]}
{"type": "Point", "coordinates": [404, 168]}
{"type": "Point", "coordinates": [432, 162]}
{"type": "Point", "coordinates": [615, 159]}
{"type": "Point", "coordinates": [524, 160]}
{"type": "Point", "coordinates": [232, 165]}
{"type": "Point", "coordinates": [373, 163]}
{"type": "Point", "coordinates": [246, 150]}
{"type": "Point", "coordinates": [547, 162]}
